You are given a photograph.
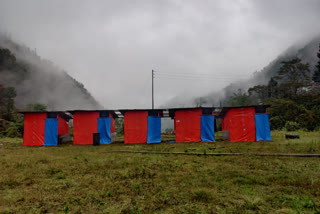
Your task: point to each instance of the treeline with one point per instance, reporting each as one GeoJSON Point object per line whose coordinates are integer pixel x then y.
{"type": "Point", "coordinates": [293, 93]}
{"type": "Point", "coordinates": [38, 80]}
{"type": "Point", "coordinates": [11, 121]}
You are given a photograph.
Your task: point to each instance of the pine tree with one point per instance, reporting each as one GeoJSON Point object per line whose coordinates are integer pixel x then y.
{"type": "Point", "coordinates": [316, 75]}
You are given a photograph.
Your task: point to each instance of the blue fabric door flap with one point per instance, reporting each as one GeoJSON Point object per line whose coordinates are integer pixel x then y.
{"type": "Point", "coordinates": [262, 127]}
{"type": "Point", "coordinates": [104, 129]}
{"type": "Point", "coordinates": [207, 128]}
{"type": "Point", "coordinates": [154, 129]}
{"type": "Point", "coordinates": [51, 132]}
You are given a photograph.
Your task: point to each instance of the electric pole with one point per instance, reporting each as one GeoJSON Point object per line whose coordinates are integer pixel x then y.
{"type": "Point", "coordinates": [152, 90]}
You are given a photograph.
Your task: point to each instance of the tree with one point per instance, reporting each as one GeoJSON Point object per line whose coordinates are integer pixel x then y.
{"type": "Point", "coordinates": [7, 107]}
{"type": "Point", "coordinates": [7, 59]}
{"type": "Point", "coordinates": [36, 107]}
{"type": "Point", "coordinates": [260, 91]}
{"type": "Point", "coordinates": [294, 71]}
{"type": "Point", "coordinates": [272, 87]}
{"type": "Point", "coordinates": [293, 74]}
{"type": "Point", "coordinates": [284, 110]}
{"type": "Point", "coordinates": [316, 74]}
{"type": "Point", "coordinates": [240, 99]}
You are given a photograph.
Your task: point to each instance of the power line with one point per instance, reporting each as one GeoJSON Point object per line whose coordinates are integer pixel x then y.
{"type": "Point", "coordinates": [210, 80]}
{"type": "Point", "coordinates": [180, 73]}
{"type": "Point", "coordinates": [195, 75]}
{"type": "Point", "coordinates": [197, 78]}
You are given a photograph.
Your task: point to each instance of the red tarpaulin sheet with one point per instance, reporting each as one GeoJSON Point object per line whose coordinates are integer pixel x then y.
{"type": "Point", "coordinates": [225, 123]}
{"type": "Point", "coordinates": [63, 126]}
{"type": "Point", "coordinates": [135, 127]}
{"type": "Point", "coordinates": [188, 125]}
{"type": "Point", "coordinates": [34, 127]}
{"type": "Point", "coordinates": [241, 124]}
{"type": "Point", "coordinates": [113, 125]}
{"type": "Point", "coordinates": [84, 125]}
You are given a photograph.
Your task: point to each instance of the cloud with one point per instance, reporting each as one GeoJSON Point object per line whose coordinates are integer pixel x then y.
{"type": "Point", "coordinates": [112, 46]}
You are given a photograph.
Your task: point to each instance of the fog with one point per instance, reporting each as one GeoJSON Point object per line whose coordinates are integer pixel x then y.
{"type": "Point", "coordinates": [112, 46]}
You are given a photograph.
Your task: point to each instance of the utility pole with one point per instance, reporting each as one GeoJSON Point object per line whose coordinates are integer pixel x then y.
{"type": "Point", "coordinates": [152, 90]}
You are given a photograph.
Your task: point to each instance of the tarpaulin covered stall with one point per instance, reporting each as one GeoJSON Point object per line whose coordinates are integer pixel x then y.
{"type": "Point", "coordinates": [142, 126]}
{"type": "Point", "coordinates": [43, 128]}
{"type": "Point", "coordinates": [194, 124]}
{"type": "Point", "coordinates": [246, 123]}
{"type": "Point", "coordinates": [93, 127]}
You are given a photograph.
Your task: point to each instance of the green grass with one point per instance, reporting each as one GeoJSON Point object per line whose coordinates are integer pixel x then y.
{"type": "Point", "coordinates": [85, 179]}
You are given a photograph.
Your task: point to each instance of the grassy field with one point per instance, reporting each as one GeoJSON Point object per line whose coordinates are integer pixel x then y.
{"type": "Point", "coordinates": [87, 179]}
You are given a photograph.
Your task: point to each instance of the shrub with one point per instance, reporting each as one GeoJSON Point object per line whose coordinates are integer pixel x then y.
{"type": "Point", "coordinates": [283, 110]}
{"type": "Point", "coordinates": [276, 123]}
{"type": "Point", "coordinates": [292, 126]}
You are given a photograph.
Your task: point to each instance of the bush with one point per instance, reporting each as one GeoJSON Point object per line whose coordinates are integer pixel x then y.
{"type": "Point", "coordinates": [292, 126]}
{"type": "Point", "coordinates": [283, 110]}
{"type": "Point", "coordinates": [276, 123]}
{"type": "Point", "coordinates": [308, 121]}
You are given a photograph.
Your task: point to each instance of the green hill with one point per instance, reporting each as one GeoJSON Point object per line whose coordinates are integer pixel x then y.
{"type": "Point", "coordinates": [37, 80]}
{"type": "Point", "coordinates": [307, 53]}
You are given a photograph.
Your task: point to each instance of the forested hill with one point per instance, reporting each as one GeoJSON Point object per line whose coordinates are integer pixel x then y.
{"type": "Point", "coordinates": [307, 53]}
{"type": "Point", "coordinates": [37, 80]}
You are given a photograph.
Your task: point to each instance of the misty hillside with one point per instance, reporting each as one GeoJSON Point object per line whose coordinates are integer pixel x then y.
{"type": "Point", "coordinates": [306, 52]}
{"type": "Point", "coordinates": [37, 80]}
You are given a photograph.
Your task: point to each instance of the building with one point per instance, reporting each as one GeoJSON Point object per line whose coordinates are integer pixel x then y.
{"type": "Point", "coordinates": [246, 123]}
{"type": "Point", "coordinates": [43, 128]}
{"type": "Point", "coordinates": [193, 124]}
{"type": "Point", "coordinates": [142, 125]}
{"type": "Point", "coordinates": [93, 127]}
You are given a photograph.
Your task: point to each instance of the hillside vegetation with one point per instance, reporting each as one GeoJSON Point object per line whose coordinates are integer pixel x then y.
{"type": "Point", "coordinates": [292, 89]}
{"type": "Point", "coordinates": [37, 80]}
{"type": "Point", "coordinates": [30, 83]}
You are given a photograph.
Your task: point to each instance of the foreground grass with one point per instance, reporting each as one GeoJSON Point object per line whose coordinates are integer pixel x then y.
{"type": "Point", "coordinates": [85, 179]}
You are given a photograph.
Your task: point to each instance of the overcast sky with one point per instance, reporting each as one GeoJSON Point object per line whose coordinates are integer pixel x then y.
{"type": "Point", "coordinates": [112, 46]}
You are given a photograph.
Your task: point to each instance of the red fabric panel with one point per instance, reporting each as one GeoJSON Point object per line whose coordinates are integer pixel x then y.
{"type": "Point", "coordinates": [113, 124]}
{"type": "Point", "coordinates": [225, 122]}
{"type": "Point", "coordinates": [63, 126]}
{"type": "Point", "coordinates": [242, 124]}
{"type": "Point", "coordinates": [84, 125]}
{"type": "Point", "coordinates": [34, 126]}
{"type": "Point", "coordinates": [222, 124]}
{"type": "Point", "coordinates": [188, 125]}
{"type": "Point", "coordinates": [135, 127]}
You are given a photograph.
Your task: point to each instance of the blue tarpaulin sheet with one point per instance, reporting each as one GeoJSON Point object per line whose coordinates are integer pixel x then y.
{"type": "Point", "coordinates": [154, 129]}
{"type": "Point", "coordinates": [207, 128]}
{"type": "Point", "coordinates": [104, 129]}
{"type": "Point", "coordinates": [51, 132]}
{"type": "Point", "coordinates": [262, 127]}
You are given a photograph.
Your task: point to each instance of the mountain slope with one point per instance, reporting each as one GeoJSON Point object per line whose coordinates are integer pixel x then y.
{"type": "Point", "coordinates": [39, 81]}
{"type": "Point", "coordinates": [306, 52]}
